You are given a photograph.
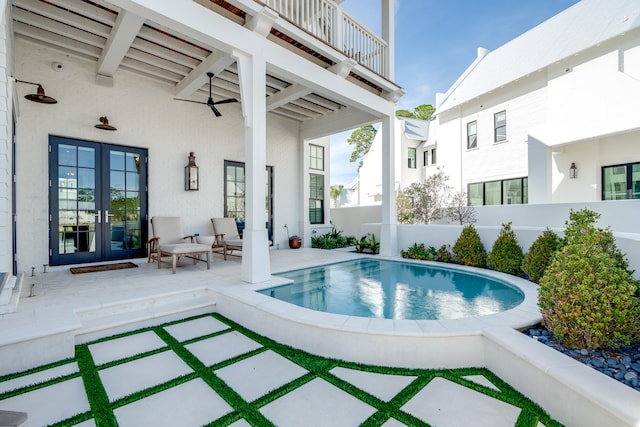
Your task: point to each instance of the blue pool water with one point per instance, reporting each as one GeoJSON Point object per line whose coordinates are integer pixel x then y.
{"type": "Point", "coordinates": [395, 290]}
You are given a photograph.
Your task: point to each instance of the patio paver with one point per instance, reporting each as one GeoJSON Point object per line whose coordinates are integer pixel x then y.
{"type": "Point", "coordinates": [383, 386]}
{"type": "Point", "coordinates": [266, 371]}
{"type": "Point", "coordinates": [191, 404]}
{"type": "Point", "coordinates": [222, 347]}
{"type": "Point", "coordinates": [49, 404]}
{"type": "Point", "coordinates": [122, 380]}
{"type": "Point", "coordinates": [195, 328]}
{"type": "Point", "coordinates": [317, 403]}
{"type": "Point", "coordinates": [446, 404]}
{"type": "Point", "coordinates": [120, 348]}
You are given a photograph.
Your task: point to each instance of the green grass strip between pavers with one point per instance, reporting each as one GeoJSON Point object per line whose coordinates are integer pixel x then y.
{"type": "Point", "coordinates": [317, 367]}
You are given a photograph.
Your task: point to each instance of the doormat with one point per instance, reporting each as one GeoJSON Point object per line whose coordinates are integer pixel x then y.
{"type": "Point", "coordinates": [104, 267]}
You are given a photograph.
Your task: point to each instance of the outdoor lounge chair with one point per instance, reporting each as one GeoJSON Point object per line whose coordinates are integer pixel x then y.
{"type": "Point", "coordinates": [169, 240]}
{"type": "Point", "coordinates": [226, 235]}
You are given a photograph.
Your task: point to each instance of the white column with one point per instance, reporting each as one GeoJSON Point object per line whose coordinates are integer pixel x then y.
{"type": "Point", "coordinates": [255, 249]}
{"type": "Point", "coordinates": [388, 32]}
{"type": "Point", "coordinates": [388, 230]}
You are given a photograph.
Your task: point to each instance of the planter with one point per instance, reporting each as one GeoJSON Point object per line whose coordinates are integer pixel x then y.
{"type": "Point", "coordinates": [295, 242]}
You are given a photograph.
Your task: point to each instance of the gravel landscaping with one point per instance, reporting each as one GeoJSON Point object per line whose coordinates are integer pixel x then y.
{"type": "Point", "coordinates": [622, 364]}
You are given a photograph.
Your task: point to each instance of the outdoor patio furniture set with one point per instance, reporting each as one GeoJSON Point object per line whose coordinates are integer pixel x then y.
{"type": "Point", "coordinates": [169, 240]}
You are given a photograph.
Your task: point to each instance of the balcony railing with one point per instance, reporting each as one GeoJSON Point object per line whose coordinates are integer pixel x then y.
{"type": "Point", "coordinates": [328, 22]}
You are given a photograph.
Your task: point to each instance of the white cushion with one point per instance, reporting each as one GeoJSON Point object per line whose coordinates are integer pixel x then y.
{"type": "Point", "coordinates": [184, 248]}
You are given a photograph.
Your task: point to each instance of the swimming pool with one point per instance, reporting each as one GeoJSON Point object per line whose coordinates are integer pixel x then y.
{"type": "Point", "coordinates": [395, 290]}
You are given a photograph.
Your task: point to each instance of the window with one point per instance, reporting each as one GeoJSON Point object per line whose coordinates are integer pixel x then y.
{"type": "Point", "coordinates": [472, 135]}
{"type": "Point", "coordinates": [433, 156]}
{"type": "Point", "coordinates": [316, 157]}
{"type": "Point", "coordinates": [425, 157]}
{"type": "Point", "coordinates": [316, 199]}
{"type": "Point", "coordinates": [621, 182]}
{"type": "Point", "coordinates": [500, 126]}
{"type": "Point", "coordinates": [411, 158]}
{"type": "Point", "coordinates": [234, 192]}
{"type": "Point", "coordinates": [503, 192]}
{"type": "Point", "coordinates": [475, 193]}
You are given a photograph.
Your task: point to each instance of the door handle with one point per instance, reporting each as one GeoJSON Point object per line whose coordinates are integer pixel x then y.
{"type": "Point", "coordinates": [107, 215]}
{"type": "Point", "coordinates": [97, 215]}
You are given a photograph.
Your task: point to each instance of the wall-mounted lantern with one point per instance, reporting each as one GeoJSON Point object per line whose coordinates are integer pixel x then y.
{"type": "Point", "coordinates": [191, 174]}
{"type": "Point", "coordinates": [573, 171]}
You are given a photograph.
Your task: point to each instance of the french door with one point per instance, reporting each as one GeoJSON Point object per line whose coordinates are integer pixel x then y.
{"type": "Point", "coordinates": [97, 201]}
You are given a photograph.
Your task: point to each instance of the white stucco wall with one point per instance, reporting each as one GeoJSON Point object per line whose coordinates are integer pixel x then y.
{"type": "Point", "coordinates": [6, 131]}
{"type": "Point", "coordinates": [146, 116]}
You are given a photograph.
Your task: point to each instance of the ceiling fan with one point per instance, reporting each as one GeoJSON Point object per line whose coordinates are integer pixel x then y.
{"type": "Point", "coordinates": [210, 103]}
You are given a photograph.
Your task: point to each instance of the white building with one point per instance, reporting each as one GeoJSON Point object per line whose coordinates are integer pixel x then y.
{"type": "Point", "coordinates": [561, 99]}
{"type": "Point", "coordinates": [71, 192]}
{"type": "Point", "coordinates": [410, 151]}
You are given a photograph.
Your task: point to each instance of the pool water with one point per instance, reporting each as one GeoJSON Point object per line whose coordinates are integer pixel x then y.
{"type": "Point", "coordinates": [396, 290]}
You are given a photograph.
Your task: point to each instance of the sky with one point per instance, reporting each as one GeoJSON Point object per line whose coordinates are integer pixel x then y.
{"type": "Point", "coordinates": [436, 40]}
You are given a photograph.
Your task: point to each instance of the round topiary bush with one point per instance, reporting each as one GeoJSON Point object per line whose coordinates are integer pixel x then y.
{"type": "Point", "coordinates": [587, 296]}
{"type": "Point", "coordinates": [468, 249]}
{"type": "Point", "coordinates": [506, 254]}
{"type": "Point", "coordinates": [536, 261]}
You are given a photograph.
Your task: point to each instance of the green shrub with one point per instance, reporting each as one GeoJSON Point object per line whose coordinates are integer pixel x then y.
{"type": "Point", "coordinates": [444, 254]}
{"type": "Point", "coordinates": [587, 295]}
{"type": "Point", "coordinates": [468, 249]}
{"type": "Point", "coordinates": [369, 243]}
{"type": "Point", "coordinates": [420, 252]}
{"type": "Point", "coordinates": [540, 253]}
{"type": "Point", "coordinates": [506, 254]}
{"type": "Point", "coordinates": [332, 240]}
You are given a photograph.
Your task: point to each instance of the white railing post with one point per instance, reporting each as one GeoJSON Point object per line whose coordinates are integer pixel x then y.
{"type": "Point", "coordinates": [338, 29]}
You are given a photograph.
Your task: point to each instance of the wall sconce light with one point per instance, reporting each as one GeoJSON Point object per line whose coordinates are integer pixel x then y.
{"type": "Point", "coordinates": [39, 96]}
{"type": "Point", "coordinates": [573, 171]}
{"type": "Point", "coordinates": [191, 174]}
{"type": "Point", "coordinates": [104, 124]}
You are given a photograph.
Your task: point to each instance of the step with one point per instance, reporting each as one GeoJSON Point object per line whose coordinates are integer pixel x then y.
{"type": "Point", "coordinates": [10, 290]}
{"type": "Point", "coordinates": [114, 318]}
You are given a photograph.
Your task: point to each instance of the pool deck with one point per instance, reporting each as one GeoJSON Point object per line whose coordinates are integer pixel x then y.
{"type": "Point", "coordinates": [70, 309]}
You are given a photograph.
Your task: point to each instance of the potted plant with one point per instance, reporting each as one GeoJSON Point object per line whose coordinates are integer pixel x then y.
{"type": "Point", "coordinates": [294, 241]}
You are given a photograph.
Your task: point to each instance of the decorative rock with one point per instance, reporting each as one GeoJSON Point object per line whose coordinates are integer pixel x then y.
{"type": "Point", "coordinates": [622, 364]}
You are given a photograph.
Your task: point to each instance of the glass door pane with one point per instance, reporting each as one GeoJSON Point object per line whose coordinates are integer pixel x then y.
{"type": "Point", "coordinates": [125, 201]}
{"type": "Point", "coordinates": [76, 202]}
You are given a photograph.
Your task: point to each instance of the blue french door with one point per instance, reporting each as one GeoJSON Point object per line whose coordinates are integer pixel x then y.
{"type": "Point", "coordinates": [97, 201]}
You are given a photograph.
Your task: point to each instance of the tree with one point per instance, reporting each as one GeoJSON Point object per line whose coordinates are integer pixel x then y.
{"type": "Point", "coordinates": [429, 197]}
{"type": "Point", "coordinates": [404, 208]}
{"type": "Point", "coordinates": [362, 138]}
{"type": "Point", "coordinates": [422, 112]}
{"type": "Point", "coordinates": [335, 191]}
{"type": "Point", "coordinates": [459, 211]}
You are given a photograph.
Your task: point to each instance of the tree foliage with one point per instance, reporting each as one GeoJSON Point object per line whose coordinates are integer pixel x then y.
{"type": "Point", "coordinates": [587, 296]}
{"type": "Point", "coordinates": [459, 211]}
{"type": "Point", "coordinates": [404, 208]}
{"type": "Point", "coordinates": [430, 198]}
{"type": "Point", "coordinates": [422, 112]}
{"type": "Point", "coordinates": [334, 192]}
{"type": "Point", "coordinates": [361, 139]}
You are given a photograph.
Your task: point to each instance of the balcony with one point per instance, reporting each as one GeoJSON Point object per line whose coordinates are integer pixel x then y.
{"type": "Point", "coordinates": [325, 20]}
